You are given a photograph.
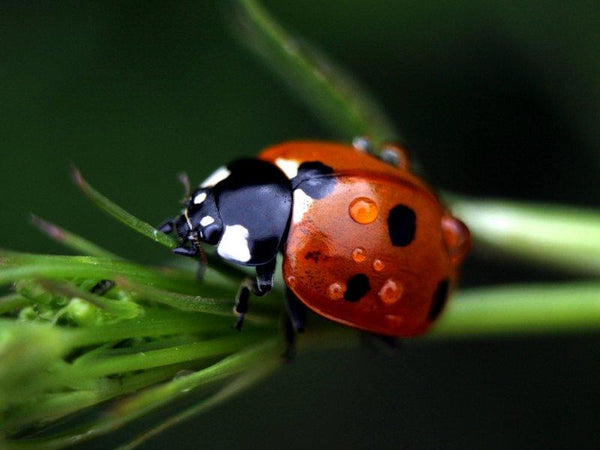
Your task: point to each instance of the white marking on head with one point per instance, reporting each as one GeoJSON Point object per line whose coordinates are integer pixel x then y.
{"type": "Point", "coordinates": [234, 244]}
{"type": "Point", "coordinates": [288, 166]}
{"type": "Point", "coordinates": [206, 221]}
{"type": "Point", "coordinates": [302, 203]}
{"type": "Point", "coordinates": [218, 175]}
{"type": "Point", "coordinates": [199, 198]}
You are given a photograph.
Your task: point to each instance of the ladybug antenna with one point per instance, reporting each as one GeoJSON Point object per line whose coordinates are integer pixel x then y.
{"type": "Point", "coordinates": [185, 181]}
{"type": "Point", "coordinates": [202, 259]}
{"type": "Point", "coordinates": [197, 246]}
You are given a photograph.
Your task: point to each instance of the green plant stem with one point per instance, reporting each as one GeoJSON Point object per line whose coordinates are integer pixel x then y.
{"type": "Point", "coordinates": [55, 406]}
{"type": "Point", "coordinates": [130, 409]}
{"type": "Point", "coordinates": [15, 266]}
{"type": "Point", "coordinates": [334, 96]}
{"type": "Point", "coordinates": [71, 240]}
{"type": "Point", "coordinates": [12, 302]}
{"type": "Point", "coordinates": [561, 237]}
{"type": "Point", "coordinates": [155, 322]}
{"type": "Point", "coordinates": [119, 213]}
{"type": "Point", "coordinates": [521, 310]}
{"type": "Point", "coordinates": [163, 357]}
{"type": "Point", "coordinates": [193, 303]}
{"type": "Point", "coordinates": [231, 389]}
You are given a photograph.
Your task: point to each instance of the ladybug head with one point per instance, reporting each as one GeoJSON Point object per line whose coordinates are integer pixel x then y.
{"type": "Point", "coordinates": [200, 220]}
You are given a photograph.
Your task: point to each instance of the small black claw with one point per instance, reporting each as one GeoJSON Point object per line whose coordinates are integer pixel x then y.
{"type": "Point", "coordinates": [378, 343]}
{"type": "Point", "coordinates": [166, 227]}
{"type": "Point", "coordinates": [185, 251]}
{"type": "Point", "coordinates": [391, 342]}
{"type": "Point", "coordinates": [239, 323]}
{"type": "Point", "coordinates": [290, 340]}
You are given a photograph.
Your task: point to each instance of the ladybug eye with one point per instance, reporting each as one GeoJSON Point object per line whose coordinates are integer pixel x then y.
{"type": "Point", "coordinates": [211, 234]}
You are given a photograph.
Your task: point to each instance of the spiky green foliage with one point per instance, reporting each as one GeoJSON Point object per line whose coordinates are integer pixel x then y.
{"type": "Point", "coordinates": [77, 365]}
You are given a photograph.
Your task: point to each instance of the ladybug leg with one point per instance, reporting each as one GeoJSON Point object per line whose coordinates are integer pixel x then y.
{"type": "Point", "coordinates": [296, 311]}
{"type": "Point", "coordinates": [102, 287]}
{"type": "Point", "coordinates": [378, 342]}
{"type": "Point", "coordinates": [259, 286]}
{"type": "Point", "coordinates": [167, 227]}
{"type": "Point", "coordinates": [294, 322]}
{"type": "Point", "coordinates": [290, 339]}
{"type": "Point", "coordinates": [186, 251]}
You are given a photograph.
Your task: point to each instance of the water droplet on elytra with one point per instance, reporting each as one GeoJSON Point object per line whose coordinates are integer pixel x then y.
{"type": "Point", "coordinates": [336, 291]}
{"type": "Point", "coordinates": [359, 254]}
{"type": "Point", "coordinates": [363, 210]}
{"type": "Point", "coordinates": [391, 291]}
{"type": "Point", "coordinates": [290, 280]}
{"type": "Point", "coordinates": [378, 265]}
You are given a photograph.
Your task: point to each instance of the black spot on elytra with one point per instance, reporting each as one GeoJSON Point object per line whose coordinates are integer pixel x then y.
{"type": "Point", "coordinates": [315, 179]}
{"type": "Point", "coordinates": [402, 225]}
{"type": "Point", "coordinates": [439, 300]}
{"type": "Point", "coordinates": [357, 287]}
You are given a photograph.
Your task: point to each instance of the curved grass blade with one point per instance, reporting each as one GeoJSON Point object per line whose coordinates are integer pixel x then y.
{"type": "Point", "coordinates": [70, 240]}
{"type": "Point", "coordinates": [262, 354]}
{"type": "Point", "coordinates": [329, 91]}
{"type": "Point", "coordinates": [119, 213]}
{"type": "Point", "coordinates": [259, 314]}
{"type": "Point", "coordinates": [11, 302]}
{"type": "Point", "coordinates": [231, 389]}
{"type": "Point", "coordinates": [15, 266]}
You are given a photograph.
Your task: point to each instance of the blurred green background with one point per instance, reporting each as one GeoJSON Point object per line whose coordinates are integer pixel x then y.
{"type": "Point", "coordinates": [494, 98]}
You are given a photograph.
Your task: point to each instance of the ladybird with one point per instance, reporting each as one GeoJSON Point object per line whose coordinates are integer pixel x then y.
{"type": "Point", "coordinates": [365, 242]}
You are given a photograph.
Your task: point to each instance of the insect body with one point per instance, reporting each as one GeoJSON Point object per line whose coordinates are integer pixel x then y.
{"type": "Point", "coordinates": [365, 242]}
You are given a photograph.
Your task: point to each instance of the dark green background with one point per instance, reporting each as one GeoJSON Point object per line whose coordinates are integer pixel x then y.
{"type": "Point", "coordinates": [495, 98]}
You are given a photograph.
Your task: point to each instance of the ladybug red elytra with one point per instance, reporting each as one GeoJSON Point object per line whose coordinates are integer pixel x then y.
{"type": "Point", "coordinates": [365, 242]}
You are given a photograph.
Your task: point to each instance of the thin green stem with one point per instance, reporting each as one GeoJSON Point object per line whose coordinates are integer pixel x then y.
{"type": "Point", "coordinates": [154, 322]}
{"type": "Point", "coordinates": [71, 240]}
{"type": "Point", "coordinates": [521, 310]}
{"type": "Point", "coordinates": [55, 406]}
{"type": "Point", "coordinates": [148, 400]}
{"type": "Point", "coordinates": [12, 302]}
{"type": "Point", "coordinates": [116, 364]}
{"type": "Point", "coordinates": [194, 303]}
{"type": "Point", "coordinates": [231, 389]}
{"type": "Point", "coordinates": [120, 214]}
{"type": "Point", "coordinates": [335, 97]}
{"type": "Point", "coordinates": [15, 266]}
{"type": "Point", "coordinates": [557, 236]}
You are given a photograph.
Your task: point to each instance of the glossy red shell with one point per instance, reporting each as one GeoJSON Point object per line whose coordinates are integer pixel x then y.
{"type": "Point", "coordinates": [342, 243]}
